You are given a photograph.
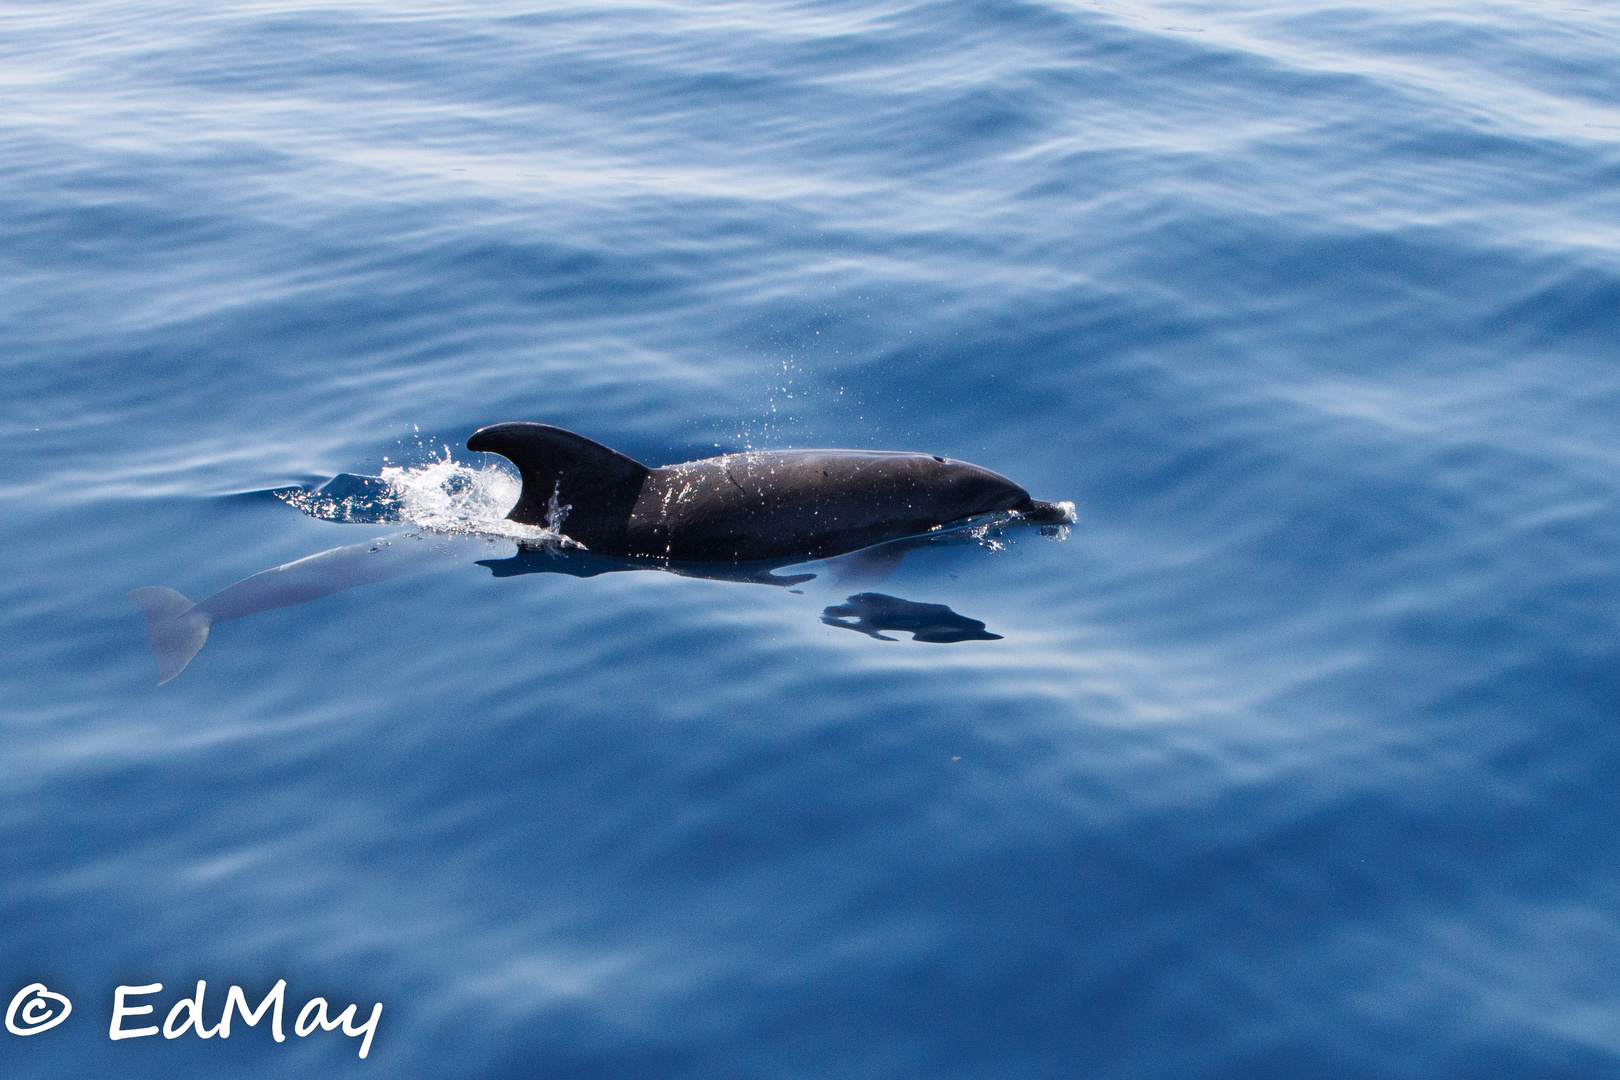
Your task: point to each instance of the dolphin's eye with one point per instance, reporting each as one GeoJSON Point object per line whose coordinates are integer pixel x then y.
{"type": "Point", "coordinates": [939, 459]}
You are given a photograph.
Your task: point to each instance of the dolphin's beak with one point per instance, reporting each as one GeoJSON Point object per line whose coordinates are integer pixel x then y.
{"type": "Point", "coordinates": [1046, 513]}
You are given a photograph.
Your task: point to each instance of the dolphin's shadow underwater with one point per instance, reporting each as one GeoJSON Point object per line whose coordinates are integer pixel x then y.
{"type": "Point", "coordinates": [870, 613]}
{"type": "Point", "coordinates": [735, 518]}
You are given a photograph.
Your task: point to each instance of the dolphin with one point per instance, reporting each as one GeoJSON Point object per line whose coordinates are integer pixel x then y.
{"type": "Point", "coordinates": [745, 507]}
{"type": "Point", "coordinates": [739, 517]}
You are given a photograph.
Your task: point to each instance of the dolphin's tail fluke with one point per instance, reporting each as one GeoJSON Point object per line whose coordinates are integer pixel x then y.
{"type": "Point", "coordinates": [175, 629]}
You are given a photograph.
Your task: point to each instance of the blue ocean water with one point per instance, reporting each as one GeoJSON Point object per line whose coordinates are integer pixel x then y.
{"type": "Point", "coordinates": [1295, 757]}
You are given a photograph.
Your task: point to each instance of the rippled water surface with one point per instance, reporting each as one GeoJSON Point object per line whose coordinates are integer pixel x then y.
{"type": "Point", "coordinates": [1294, 757]}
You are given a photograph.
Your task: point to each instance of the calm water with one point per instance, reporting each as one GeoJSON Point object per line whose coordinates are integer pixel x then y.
{"type": "Point", "coordinates": [1295, 757]}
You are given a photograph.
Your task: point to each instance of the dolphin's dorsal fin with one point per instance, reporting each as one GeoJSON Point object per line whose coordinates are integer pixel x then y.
{"type": "Point", "coordinates": [596, 484]}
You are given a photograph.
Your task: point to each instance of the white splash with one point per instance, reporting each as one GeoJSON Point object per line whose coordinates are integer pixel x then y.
{"type": "Point", "coordinates": [447, 495]}
{"type": "Point", "coordinates": [557, 510]}
{"type": "Point", "coordinates": [442, 495]}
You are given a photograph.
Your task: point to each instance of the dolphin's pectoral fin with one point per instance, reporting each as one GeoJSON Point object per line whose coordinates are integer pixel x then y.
{"type": "Point", "coordinates": [867, 566]}
{"type": "Point", "coordinates": [745, 573]}
{"type": "Point", "coordinates": [174, 629]}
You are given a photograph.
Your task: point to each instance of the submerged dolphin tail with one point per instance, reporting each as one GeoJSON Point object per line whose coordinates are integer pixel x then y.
{"type": "Point", "coordinates": [174, 628]}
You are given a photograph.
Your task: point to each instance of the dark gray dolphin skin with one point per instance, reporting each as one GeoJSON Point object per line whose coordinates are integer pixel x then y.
{"type": "Point", "coordinates": [761, 504]}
